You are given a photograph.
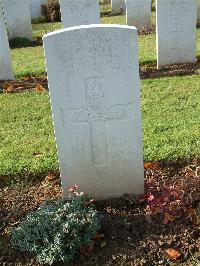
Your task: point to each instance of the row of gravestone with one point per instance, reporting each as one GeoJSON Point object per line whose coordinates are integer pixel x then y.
{"type": "Point", "coordinates": [176, 29]}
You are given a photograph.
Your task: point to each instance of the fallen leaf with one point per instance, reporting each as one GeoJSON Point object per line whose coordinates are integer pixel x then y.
{"type": "Point", "coordinates": [193, 215]}
{"type": "Point", "coordinates": [173, 253]}
{"type": "Point", "coordinates": [152, 166]}
{"type": "Point", "coordinates": [37, 154]}
{"type": "Point", "coordinates": [8, 87]}
{"type": "Point", "coordinates": [26, 78]}
{"type": "Point", "coordinates": [50, 177]}
{"type": "Point", "coordinates": [39, 88]}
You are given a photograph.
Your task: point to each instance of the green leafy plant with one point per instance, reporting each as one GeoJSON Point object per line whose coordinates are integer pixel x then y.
{"type": "Point", "coordinates": [57, 230]}
{"type": "Point", "coordinates": [173, 200]}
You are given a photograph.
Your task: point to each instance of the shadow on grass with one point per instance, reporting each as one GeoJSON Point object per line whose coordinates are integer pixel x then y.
{"type": "Point", "coordinates": [148, 69]}
{"type": "Point", "coordinates": [25, 179]}
{"type": "Point", "coordinates": [23, 42]}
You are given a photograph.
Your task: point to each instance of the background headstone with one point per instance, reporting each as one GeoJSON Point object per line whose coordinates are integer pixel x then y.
{"type": "Point", "coordinates": [18, 18]}
{"type": "Point", "coordinates": [176, 31]}
{"type": "Point", "coordinates": [35, 8]}
{"type": "Point", "coordinates": [118, 5]}
{"type": "Point", "coordinates": [198, 10]}
{"type": "Point", "coordinates": [94, 84]}
{"type": "Point", "coordinates": [138, 13]}
{"type": "Point", "coordinates": [79, 12]}
{"type": "Point", "coordinates": [6, 72]}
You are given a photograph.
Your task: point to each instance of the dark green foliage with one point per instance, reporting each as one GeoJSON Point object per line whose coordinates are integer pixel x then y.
{"type": "Point", "coordinates": [51, 11]}
{"type": "Point", "coordinates": [57, 230]}
{"type": "Point", "coordinates": [19, 42]}
{"type": "Point", "coordinates": [153, 5]}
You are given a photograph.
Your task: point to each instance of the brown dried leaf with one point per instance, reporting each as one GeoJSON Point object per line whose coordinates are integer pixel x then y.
{"type": "Point", "coordinates": [50, 177]}
{"type": "Point", "coordinates": [39, 88]}
{"type": "Point", "coordinates": [26, 78]}
{"type": "Point", "coordinates": [152, 166]}
{"type": "Point", "coordinates": [173, 253]}
{"type": "Point", "coordinates": [8, 87]}
{"type": "Point", "coordinates": [37, 154]}
{"type": "Point", "coordinates": [193, 215]}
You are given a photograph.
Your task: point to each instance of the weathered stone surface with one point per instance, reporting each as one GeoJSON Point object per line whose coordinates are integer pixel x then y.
{"type": "Point", "coordinates": [176, 27]}
{"type": "Point", "coordinates": [198, 10]}
{"type": "Point", "coordinates": [94, 84]}
{"type": "Point", "coordinates": [6, 72]}
{"type": "Point", "coordinates": [79, 12]}
{"type": "Point", "coordinates": [118, 5]}
{"type": "Point", "coordinates": [35, 8]}
{"type": "Point", "coordinates": [138, 13]}
{"type": "Point", "coordinates": [18, 18]}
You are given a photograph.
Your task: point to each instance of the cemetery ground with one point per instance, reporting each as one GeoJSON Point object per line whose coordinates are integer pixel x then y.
{"type": "Point", "coordinates": [130, 235]}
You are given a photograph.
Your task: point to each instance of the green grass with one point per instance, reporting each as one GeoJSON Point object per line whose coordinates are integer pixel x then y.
{"type": "Point", "coordinates": [171, 121]}
{"type": "Point", "coordinates": [171, 126]}
{"type": "Point", "coordinates": [26, 128]}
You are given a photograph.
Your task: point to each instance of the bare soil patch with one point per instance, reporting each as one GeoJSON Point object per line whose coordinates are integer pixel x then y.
{"type": "Point", "coordinates": [130, 236]}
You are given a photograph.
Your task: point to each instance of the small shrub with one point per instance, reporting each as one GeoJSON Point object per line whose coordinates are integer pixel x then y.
{"type": "Point", "coordinates": [153, 5]}
{"type": "Point", "coordinates": [58, 229]}
{"type": "Point", "coordinates": [51, 11]}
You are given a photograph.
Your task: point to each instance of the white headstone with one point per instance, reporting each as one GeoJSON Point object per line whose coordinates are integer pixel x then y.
{"type": "Point", "coordinates": [94, 84]}
{"type": "Point", "coordinates": [6, 72]}
{"type": "Point", "coordinates": [138, 13]}
{"type": "Point", "coordinates": [176, 30]}
{"type": "Point", "coordinates": [118, 5]}
{"type": "Point", "coordinates": [18, 19]}
{"type": "Point", "coordinates": [198, 10]}
{"type": "Point", "coordinates": [35, 8]}
{"type": "Point", "coordinates": [79, 12]}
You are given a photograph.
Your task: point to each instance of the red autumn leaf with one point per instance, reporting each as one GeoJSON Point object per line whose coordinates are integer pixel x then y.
{"type": "Point", "coordinates": [151, 197]}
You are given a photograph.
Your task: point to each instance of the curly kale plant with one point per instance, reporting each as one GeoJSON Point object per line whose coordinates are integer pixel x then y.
{"type": "Point", "coordinates": [57, 230]}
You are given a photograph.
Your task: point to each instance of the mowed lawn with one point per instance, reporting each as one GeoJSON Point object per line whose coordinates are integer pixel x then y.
{"type": "Point", "coordinates": [171, 126]}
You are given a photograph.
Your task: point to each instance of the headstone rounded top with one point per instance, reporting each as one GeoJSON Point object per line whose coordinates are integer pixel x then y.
{"type": "Point", "coordinates": [102, 26]}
